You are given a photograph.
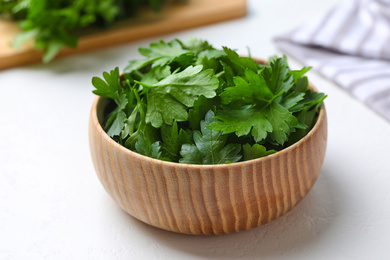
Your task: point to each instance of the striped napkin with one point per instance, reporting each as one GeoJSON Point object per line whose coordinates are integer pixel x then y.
{"type": "Point", "coordinates": [350, 45]}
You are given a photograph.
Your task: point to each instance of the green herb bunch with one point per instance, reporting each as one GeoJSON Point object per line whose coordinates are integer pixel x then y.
{"type": "Point", "coordinates": [188, 102]}
{"type": "Point", "coordinates": [55, 24]}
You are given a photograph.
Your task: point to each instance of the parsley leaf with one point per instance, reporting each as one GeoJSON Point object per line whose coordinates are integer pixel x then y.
{"type": "Point", "coordinates": [265, 117]}
{"type": "Point", "coordinates": [255, 151]}
{"type": "Point", "coordinates": [164, 108]}
{"type": "Point", "coordinates": [110, 87]}
{"type": "Point", "coordinates": [171, 141]}
{"type": "Point", "coordinates": [277, 76]}
{"type": "Point", "coordinates": [281, 120]}
{"type": "Point", "coordinates": [148, 143]}
{"type": "Point", "coordinates": [169, 99]}
{"type": "Point", "coordinates": [239, 64]}
{"type": "Point", "coordinates": [248, 91]}
{"type": "Point", "coordinates": [191, 154]}
{"type": "Point", "coordinates": [210, 146]}
{"type": "Point", "coordinates": [197, 45]}
{"type": "Point", "coordinates": [292, 99]}
{"type": "Point", "coordinates": [309, 100]}
{"type": "Point", "coordinates": [156, 74]}
{"type": "Point", "coordinates": [165, 53]}
{"type": "Point", "coordinates": [241, 122]}
{"type": "Point", "coordinates": [273, 119]}
{"type": "Point", "coordinates": [197, 113]}
{"type": "Point", "coordinates": [116, 121]}
{"type": "Point", "coordinates": [118, 124]}
{"type": "Point", "coordinates": [151, 150]}
{"type": "Point", "coordinates": [297, 74]}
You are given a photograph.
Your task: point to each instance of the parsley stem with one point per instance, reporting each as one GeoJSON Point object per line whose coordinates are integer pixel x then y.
{"type": "Point", "coordinates": [139, 105]}
{"type": "Point", "coordinates": [143, 84]}
{"type": "Point", "coordinates": [138, 73]}
{"type": "Point", "coordinates": [220, 74]}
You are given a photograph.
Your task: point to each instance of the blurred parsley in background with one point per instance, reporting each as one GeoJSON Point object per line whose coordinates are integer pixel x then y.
{"type": "Point", "coordinates": [54, 24]}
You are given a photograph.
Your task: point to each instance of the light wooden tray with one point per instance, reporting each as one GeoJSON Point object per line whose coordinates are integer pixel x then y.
{"type": "Point", "coordinates": [170, 19]}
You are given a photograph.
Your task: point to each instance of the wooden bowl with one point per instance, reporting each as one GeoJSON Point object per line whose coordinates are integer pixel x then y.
{"type": "Point", "coordinates": [206, 199]}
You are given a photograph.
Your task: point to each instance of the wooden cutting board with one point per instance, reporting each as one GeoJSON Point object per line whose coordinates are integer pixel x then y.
{"type": "Point", "coordinates": [172, 18]}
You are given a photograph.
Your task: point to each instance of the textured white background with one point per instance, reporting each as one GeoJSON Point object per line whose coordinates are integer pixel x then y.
{"type": "Point", "coordinates": [53, 207]}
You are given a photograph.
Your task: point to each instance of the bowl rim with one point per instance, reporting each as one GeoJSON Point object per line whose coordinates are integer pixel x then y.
{"type": "Point", "coordinates": [99, 129]}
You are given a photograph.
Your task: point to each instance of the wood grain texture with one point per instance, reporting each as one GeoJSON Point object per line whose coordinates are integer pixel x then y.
{"type": "Point", "coordinates": [170, 19]}
{"type": "Point", "coordinates": [206, 199]}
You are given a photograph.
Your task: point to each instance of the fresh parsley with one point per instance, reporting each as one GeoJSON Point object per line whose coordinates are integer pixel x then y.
{"type": "Point", "coordinates": [188, 102]}
{"type": "Point", "coordinates": [210, 146]}
{"type": "Point", "coordinates": [55, 24]}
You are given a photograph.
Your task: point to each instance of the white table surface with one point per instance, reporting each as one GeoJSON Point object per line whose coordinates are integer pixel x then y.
{"type": "Point", "coordinates": [52, 205]}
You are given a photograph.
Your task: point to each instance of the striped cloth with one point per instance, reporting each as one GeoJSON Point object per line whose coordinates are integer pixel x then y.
{"type": "Point", "coordinates": [350, 45]}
